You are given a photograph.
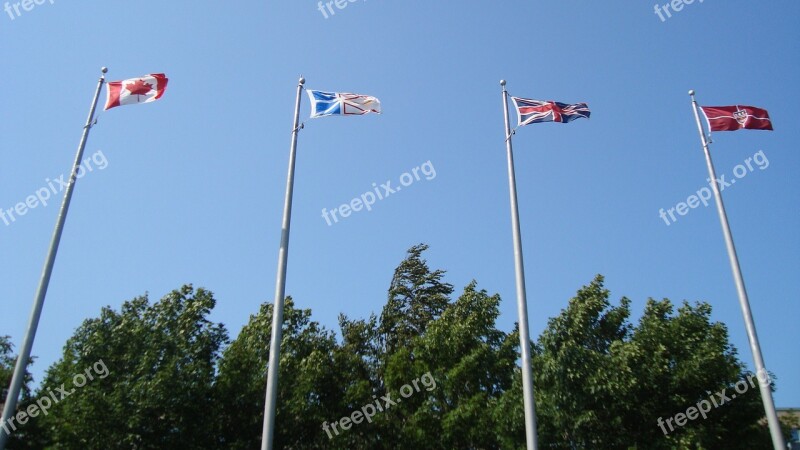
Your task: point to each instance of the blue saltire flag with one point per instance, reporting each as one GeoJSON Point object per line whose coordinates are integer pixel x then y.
{"type": "Point", "coordinates": [342, 104]}
{"type": "Point", "coordinates": [536, 111]}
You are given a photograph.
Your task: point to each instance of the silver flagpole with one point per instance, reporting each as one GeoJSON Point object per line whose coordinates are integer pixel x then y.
{"type": "Point", "coordinates": [280, 289]}
{"type": "Point", "coordinates": [522, 302]}
{"type": "Point", "coordinates": [25, 353]}
{"type": "Point", "coordinates": [761, 371]}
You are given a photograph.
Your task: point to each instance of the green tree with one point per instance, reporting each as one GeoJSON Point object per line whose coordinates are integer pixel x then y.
{"type": "Point", "coordinates": [309, 388]}
{"type": "Point", "coordinates": [473, 364]}
{"type": "Point", "coordinates": [600, 380]}
{"type": "Point", "coordinates": [28, 435]}
{"type": "Point", "coordinates": [577, 374]}
{"type": "Point", "coordinates": [7, 361]}
{"type": "Point", "coordinates": [604, 383]}
{"type": "Point", "coordinates": [159, 363]}
{"type": "Point", "coordinates": [356, 362]}
{"type": "Point", "coordinates": [677, 359]}
{"type": "Point", "coordinates": [458, 345]}
{"type": "Point", "coordinates": [417, 296]}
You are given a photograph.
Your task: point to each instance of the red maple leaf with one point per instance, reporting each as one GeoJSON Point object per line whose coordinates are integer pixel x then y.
{"type": "Point", "coordinates": [139, 87]}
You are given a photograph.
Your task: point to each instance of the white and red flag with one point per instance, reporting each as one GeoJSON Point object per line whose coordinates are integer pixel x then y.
{"type": "Point", "coordinates": [145, 89]}
{"type": "Point", "coordinates": [732, 118]}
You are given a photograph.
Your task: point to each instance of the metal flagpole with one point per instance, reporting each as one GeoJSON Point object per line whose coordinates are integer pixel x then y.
{"type": "Point", "coordinates": [280, 289]}
{"type": "Point", "coordinates": [25, 352]}
{"type": "Point", "coordinates": [522, 302]}
{"type": "Point", "coordinates": [755, 347]}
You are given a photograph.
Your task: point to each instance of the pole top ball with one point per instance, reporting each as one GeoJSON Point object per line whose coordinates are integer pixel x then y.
{"type": "Point", "coordinates": [502, 82]}
{"type": "Point", "coordinates": [302, 80]}
{"type": "Point", "coordinates": [104, 69]}
{"type": "Point", "coordinates": [691, 91]}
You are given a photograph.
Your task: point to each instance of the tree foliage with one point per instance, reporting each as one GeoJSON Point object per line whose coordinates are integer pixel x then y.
{"type": "Point", "coordinates": [23, 437]}
{"type": "Point", "coordinates": [7, 361]}
{"type": "Point", "coordinates": [417, 296]}
{"type": "Point", "coordinates": [161, 361]}
{"type": "Point", "coordinates": [434, 371]}
{"type": "Point", "coordinates": [308, 391]}
{"type": "Point", "coordinates": [602, 382]}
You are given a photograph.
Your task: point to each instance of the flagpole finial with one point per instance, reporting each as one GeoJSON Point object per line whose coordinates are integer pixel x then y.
{"type": "Point", "coordinates": [691, 91]}
{"type": "Point", "coordinates": [302, 80]}
{"type": "Point", "coordinates": [104, 69]}
{"type": "Point", "coordinates": [502, 82]}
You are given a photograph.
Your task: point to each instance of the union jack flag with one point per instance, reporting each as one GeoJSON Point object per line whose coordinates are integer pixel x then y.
{"type": "Point", "coordinates": [535, 111]}
{"type": "Point", "coordinates": [342, 104]}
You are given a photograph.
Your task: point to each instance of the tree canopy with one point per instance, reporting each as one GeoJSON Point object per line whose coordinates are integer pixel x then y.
{"type": "Point", "coordinates": [431, 371]}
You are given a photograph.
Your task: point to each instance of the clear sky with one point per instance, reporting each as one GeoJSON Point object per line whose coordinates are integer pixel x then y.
{"type": "Point", "coordinates": [191, 190]}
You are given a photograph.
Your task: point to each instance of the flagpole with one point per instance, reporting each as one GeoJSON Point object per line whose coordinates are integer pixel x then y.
{"type": "Point", "coordinates": [25, 353]}
{"type": "Point", "coordinates": [522, 302]}
{"type": "Point", "coordinates": [280, 289]}
{"type": "Point", "coordinates": [744, 302]}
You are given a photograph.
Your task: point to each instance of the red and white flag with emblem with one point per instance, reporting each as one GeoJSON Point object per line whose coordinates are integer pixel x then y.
{"type": "Point", "coordinates": [145, 89]}
{"type": "Point", "coordinates": [732, 118]}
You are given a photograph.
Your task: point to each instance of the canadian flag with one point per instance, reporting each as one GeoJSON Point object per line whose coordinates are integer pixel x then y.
{"type": "Point", "coordinates": [145, 89]}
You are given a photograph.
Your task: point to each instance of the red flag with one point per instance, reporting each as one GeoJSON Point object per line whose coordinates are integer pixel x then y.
{"type": "Point", "coordinates": [145, 89]}
{"type": "Point", "coordinates": [732, 118]}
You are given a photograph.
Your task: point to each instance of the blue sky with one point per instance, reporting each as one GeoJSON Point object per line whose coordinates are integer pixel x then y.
{"type": "Point", "coordinates": [193, 187]}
